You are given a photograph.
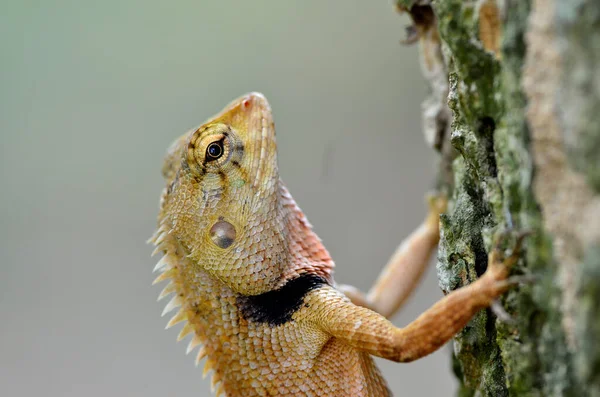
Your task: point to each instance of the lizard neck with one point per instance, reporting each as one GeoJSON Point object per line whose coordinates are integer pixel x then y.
{"type": "Point", "coordinates": [306, 251]}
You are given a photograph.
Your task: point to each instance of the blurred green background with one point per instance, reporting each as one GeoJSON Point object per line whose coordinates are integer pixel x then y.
{"type": "Point", "coordinates": [91, 95]}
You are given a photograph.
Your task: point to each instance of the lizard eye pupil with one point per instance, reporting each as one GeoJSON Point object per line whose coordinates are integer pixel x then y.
{"type": "Point", "coordinates": [214, 151]}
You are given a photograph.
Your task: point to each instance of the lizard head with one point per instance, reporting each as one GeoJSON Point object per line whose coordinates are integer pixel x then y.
{"type": "Point", "coordinates": [221, 204]}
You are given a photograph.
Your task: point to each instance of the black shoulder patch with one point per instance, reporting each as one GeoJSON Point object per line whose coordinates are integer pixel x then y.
{"type": "Point", "coordinates": [277, 307]}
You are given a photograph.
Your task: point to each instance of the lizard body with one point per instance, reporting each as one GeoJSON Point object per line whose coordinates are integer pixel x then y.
{"type": "Point", "coordinates": [254, 283]}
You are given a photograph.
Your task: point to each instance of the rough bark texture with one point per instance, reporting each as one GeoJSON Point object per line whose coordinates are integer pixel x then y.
{"type": "Point", "coordinates": [515, 112]}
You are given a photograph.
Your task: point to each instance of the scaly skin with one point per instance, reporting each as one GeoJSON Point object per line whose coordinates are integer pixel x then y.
{"type": "Point", "coordinates": [255, 283]}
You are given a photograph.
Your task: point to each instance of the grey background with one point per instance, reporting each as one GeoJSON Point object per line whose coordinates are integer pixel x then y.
{"type": "Point", "coordinates": [91, 95]}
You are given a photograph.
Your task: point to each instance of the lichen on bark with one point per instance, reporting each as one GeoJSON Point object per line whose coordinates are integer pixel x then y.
{"type": "Point", "coordinates": [523, 86]}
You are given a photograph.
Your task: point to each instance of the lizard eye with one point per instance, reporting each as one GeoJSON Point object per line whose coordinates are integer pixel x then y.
{"type": "Point", "coordinates": [211, 147]}
{"type": "Point", "coordinates": [214, 151]}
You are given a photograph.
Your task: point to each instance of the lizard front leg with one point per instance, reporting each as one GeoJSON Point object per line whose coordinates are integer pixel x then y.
{"type": "Point", "coordinates": [405, 268]}
{"type": "Point", "coordinates": [368, 331]}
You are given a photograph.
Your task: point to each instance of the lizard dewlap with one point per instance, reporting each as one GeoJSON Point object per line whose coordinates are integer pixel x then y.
{"type": "Point", "coordinates": [253, 283]}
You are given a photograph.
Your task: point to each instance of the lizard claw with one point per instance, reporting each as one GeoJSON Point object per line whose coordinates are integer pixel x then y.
{"type": "Point", "coordinates": [501, 313]}
{"type": "Point", "coordinates": [496, 305]}
{"type": "Point", "coordinates": [499, 264]}
{"type": "Point", "coordinates": [525, 279]}
{"type": "Point", "coordinates": [516, 251]}
{"type": "Point", "coordinates": [498, 253]}
{"type": "Point", "coordinates": [498, 270]}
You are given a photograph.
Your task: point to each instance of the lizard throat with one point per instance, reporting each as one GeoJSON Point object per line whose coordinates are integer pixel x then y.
{"type": "Point", "coordinates": [278, 306]}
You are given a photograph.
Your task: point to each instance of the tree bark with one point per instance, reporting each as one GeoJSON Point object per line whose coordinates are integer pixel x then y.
{"type": "Point", "coordinates": [514, 111]}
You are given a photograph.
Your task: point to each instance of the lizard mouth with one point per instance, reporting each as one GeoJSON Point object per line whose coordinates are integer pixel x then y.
{"type": "Point", "coordinates": [251, 116]}
{"type": "Point", "coordinates": [266, 138]}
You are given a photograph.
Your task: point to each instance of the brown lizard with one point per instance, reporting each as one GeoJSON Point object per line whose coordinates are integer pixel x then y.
{"type": "Point", "coordinates": [255, 283]}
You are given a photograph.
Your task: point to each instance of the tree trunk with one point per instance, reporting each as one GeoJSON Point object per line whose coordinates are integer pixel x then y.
{"type": "Point", "coordinates": [515, 112]}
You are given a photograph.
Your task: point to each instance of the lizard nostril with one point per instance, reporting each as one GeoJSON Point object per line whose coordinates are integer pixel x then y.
{"type": "Point", "coordinates": [222, 234]}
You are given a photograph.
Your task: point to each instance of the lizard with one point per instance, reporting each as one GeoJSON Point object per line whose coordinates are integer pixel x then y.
{"type": "Point", "coordinates": [254, 284]}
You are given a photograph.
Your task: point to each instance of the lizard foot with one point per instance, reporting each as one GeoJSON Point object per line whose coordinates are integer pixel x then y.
{"type": "Point", "coordinates": [499, 266]}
